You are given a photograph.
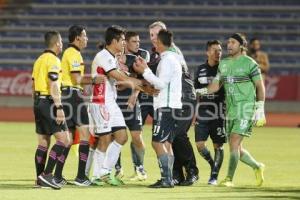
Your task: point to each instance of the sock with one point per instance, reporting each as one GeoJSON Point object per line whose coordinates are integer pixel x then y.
{"type": "Point", "coordinates": [61, 162]}
{"type": "Point", "coordinates": [205, 153]}
{"type": "Point", "coordinates": [248, 159]}
{"type": "Point", "coordinates": [40, 159]}
{"type": "Point", "coordinates": [140, 154]}
{"type": "Point", "coordinates": [134, 155]}
{"type": "Point", "coordinates": [55, 152]}
{"type": "Point", "coordinates": [219, 155]}
{"type": "Point", "coordinates": [89, 162]}
{"type": "Point", "coordinates": [83, 156]}
{"type": "Point", "coordinates": [163, 162]}
{"type": "Point", "coordinates": [111, 157]}
{"type": "Point", "coordinates": [171, 159]}
{"type": "Point", "coordinates": [99, 157]}
{"type": "Point", "coordinates": [118, 165]}
{"type": "Point", "coordinates": [233, 162]}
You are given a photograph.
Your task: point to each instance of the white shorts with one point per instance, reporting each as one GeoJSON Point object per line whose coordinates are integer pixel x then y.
{"type": "Point", "coordinates": [106, 118]}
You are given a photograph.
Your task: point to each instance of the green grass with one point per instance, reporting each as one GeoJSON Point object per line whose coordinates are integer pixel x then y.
{"type": "Point", "coordinates": [278, 148]}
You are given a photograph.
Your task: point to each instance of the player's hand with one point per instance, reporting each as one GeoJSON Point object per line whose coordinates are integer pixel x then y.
{"type": "Point", "coordinates": [140, 65]}
{"type": "Point", "coordinates": [60, 116]}
{"type": "Point", "coordinates": [202, 91]}
{"type": "Point", "coordinates": [122, 60]}
{"type": "Point", "coordinates": [259, 116]}
{"type": "Point", "coordinates": [149, 89]}
{"type": "Point", "coordinates": [100, 78]}
{"type": "Point", "coordinates": [131, 102]}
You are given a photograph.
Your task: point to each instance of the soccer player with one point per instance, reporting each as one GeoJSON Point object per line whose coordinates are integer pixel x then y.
{"type": "Point", "coordinates": [127, 101]}
{"type": "Point", "coordinates": [166, 104]}
{"type": "Point", "coordinates": [182, 147]}
{"type": "Point", "coordinates": [48, 110]}
{"type": "Point", "coordinates": [76, 111]}
{"type": "Point", "coordinates": [245, 96]}
{"type": "Point", "coordinates": [209, 117]}
{"type": "Point", "coordinates": [106, 115]}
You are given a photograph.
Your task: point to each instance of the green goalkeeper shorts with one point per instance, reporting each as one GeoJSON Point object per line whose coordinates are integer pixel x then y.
{"type": "Point", "coordinates": [239, 126]}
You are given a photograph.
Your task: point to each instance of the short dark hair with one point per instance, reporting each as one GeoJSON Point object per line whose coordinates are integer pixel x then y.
{"type": "Point", "coordinates": [166, 37]}
{"type": "Point", "coordinates": [50, 38]}
{"type": "Point", "coordinates": [75, 31]}
{"type": "Point", "coordinates": [130, 34]}
{"type": "Point", "coordinates": [212, 42]}
{"type": "Point", "coordinates": [253, 39]}
{"type": "Point", "coordinates": [113, 32]}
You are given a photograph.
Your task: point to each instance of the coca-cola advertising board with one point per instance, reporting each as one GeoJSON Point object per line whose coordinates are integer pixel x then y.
{"type": "Point", "coordinates": [15, 83]}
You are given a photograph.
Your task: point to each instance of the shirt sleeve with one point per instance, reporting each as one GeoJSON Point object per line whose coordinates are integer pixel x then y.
{"type": "Point", "coordinates": [147, 58]}
{"type": "Point", "coordinates": [255, 73]}
{"type": "Point", "coordinates": [108, 64]}
{"type": "Point", "coordinates": [54, 66]}
{"type": "Point", "coordinates": [76, 63]}
{"type": "Point", "coordinates": [163, 78]}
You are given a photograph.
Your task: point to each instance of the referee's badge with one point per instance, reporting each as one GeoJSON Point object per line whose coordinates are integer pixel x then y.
{"type": "Point", "coordinates": [55, 67]}
{"type": "Point", "coordinates": [75, 64]}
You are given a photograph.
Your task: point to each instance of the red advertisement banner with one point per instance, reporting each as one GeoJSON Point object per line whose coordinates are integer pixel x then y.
{"type": "Point", "coordinates": [283, 88]}
{"type": "Point", "coordinates": [15, 83]}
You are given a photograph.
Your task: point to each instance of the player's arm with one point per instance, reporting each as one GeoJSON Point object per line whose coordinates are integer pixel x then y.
{"type": "Point", "coordinates": [141, 67]}
{"type": "Point", "coordinates": [260, 90]}
{"type": "Point", "coordinates": [255, 75]}
{"type": "Point", "coordinates": [87, 79]}
{"type": "Point", "coordinates": [211, 88]}
{"type": "Point", "coordinates": [32, 87]}
{"type": "Point", "coordinates": [55, 94]}
{"type": "Point", "coordinates": [132, 99]}
{"type": "Point", "coordinates": [125, 80]}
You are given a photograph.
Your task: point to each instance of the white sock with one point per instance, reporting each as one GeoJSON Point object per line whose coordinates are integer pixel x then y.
{"type": "Point", "coordinates": [99, 157]}
{"type": "Point", "coordinates": [89, 162]}
{"type": "Point", "coordinates": [111, 158]}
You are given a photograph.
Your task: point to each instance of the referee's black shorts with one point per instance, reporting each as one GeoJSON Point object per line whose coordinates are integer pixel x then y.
{"type": "Point", "coordinates": [164, 124]}
{"type": "Point", "coordinates": [44, 115]}
{"type": "Point", "coordinates": [74, 107]}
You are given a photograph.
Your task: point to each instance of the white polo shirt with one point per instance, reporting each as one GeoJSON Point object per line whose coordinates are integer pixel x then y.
{"type": "Point", "coordinates": [167, 80]}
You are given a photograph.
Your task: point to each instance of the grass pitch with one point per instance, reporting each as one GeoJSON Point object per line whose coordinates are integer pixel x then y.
{"type": "Point", "coordinates": [278, 148]}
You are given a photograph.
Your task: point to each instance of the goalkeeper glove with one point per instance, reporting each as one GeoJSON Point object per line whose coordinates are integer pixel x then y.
{"type": "Point", "coordinates": [259, 116]}
{"type": "Point", "coordinates": [202, 91]}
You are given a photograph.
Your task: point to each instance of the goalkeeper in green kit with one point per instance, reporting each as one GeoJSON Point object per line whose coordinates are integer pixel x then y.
{"type": "Point", "coordinates": [245, 96]}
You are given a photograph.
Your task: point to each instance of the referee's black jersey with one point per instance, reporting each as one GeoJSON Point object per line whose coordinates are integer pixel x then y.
{"type": "Point", "coordinates": [204, 74]}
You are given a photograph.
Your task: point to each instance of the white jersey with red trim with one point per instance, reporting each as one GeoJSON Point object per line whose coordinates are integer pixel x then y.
{"type": "Point", "coordinates": [103, 63]}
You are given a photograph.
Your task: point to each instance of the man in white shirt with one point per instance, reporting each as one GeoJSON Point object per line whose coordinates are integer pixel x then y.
{"type": "Point", "coordinates": [185, 160]}
{"type": "Point", "coordinates": [106, 115]}
{"type": "Point", "coordinates": [166, 104]}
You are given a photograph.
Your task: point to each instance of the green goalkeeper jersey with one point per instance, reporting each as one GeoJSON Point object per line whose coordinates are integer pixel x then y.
{"type": "Point", "coordinates": [238, 76]}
